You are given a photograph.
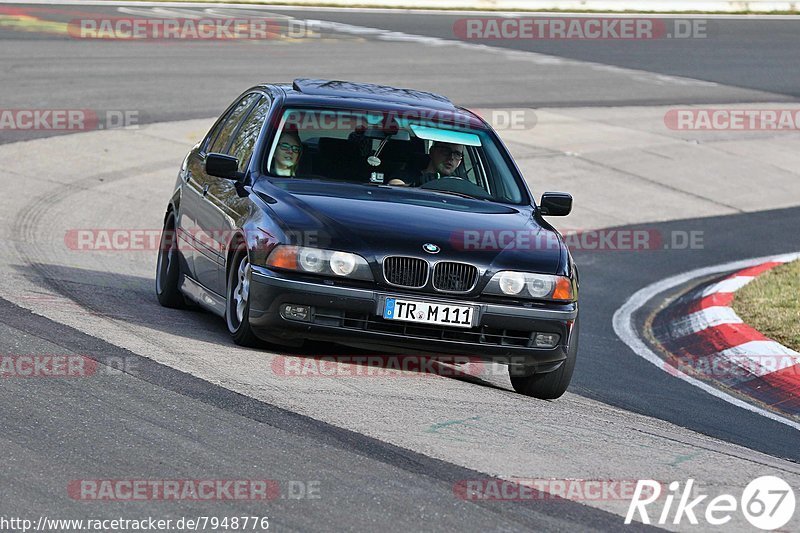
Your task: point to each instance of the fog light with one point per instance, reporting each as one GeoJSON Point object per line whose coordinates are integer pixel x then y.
{"type": "Point", "coordinates": [546, 340]}
{"type": "Point", "coordinates": [296, 312]}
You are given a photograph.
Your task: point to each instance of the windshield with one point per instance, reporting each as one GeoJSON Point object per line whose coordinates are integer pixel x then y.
{"type": "Point", "coordinates": [432, 153]}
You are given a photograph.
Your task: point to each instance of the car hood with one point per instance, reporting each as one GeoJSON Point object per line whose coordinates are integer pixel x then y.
{"type": "Point", "coordinates": [376, 221]}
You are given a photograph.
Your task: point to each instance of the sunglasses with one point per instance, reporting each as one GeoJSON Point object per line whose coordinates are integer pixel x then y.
{"type": "Point", "coordinates": [286, 147]}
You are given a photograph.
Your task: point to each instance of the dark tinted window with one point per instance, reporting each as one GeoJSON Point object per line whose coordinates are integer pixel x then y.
{"type": "Point", "coordinates": [229, 127]}
{"type": "Point", "coordinates": [212, 135]}
{"type": "Point", "coordinates": [439, 153]}
{"type": "Point", "coordinates": [242, 147]}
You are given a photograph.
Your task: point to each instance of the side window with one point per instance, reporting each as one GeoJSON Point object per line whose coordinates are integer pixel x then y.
{"type": "Point", "coordinates": [245, 140]}
{"type": "Point", "coordinates": [468, 165]}
{"type": "Point", "coordinates": [229, 127]}
{"type": "Point", "coordinates": [476, 158]}
{"type": "Point", "coordinates": [212, 135]}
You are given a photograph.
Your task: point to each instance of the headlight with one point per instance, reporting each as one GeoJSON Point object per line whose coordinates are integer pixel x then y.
{"type": "Point", "coordinates": [311, 259]}
{"type": "Point", "coordinates": [343, 263]}
{"type": "Point", "coordinates": [540, 287]}
{"type": "Point", "coordinates": [511, 282]}
{"type": "Point", "coordinates": [318, 261]}
{"type": "Point", "coordinates": [529, 285]}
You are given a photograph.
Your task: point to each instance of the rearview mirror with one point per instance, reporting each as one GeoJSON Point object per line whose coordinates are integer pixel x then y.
{"type": "Point", "coordinates": [556, 204]}
{"type": "Point", "coordinates": [382, 133]}
{"type": "Point", "coordinates": [222, 166]}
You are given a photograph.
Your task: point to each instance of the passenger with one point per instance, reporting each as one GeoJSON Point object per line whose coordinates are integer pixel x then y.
{"type": "Point", "coordinates": [443, 160]}
{"type": "Point", "coordinates": [287, 156]}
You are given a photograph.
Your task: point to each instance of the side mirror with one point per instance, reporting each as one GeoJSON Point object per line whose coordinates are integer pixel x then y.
{"type": "Point", "coordinates": [222, 166]}
{"type": "Point", "coordinates": [556, 204]}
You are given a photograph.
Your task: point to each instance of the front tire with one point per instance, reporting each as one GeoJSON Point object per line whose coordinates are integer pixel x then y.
{"type": "Point", "coordinates": [237, 309]}
{"type": "Point", "coordinates": [168, 268]}
{"type": "Point", "coordinates": [550, 385]}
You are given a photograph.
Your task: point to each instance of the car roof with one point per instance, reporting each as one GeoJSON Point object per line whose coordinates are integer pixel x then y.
{"type": "Point", "coordinates": [338, 93]}
{"type": "Point", "coordinates": [350, 89]}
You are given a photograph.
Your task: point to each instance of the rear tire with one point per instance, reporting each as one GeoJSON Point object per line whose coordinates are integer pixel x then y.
{"type": "Point", "coordinates": [550, 385]}
{"type": "Point", "coordinates": [168, 268]}
{"type": "Point", "coordinates": [237, 308]}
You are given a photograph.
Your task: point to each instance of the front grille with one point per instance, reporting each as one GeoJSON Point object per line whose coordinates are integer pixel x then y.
{"type": "Point", "coordinates": [407, 272]}
{"type": "Point", "coordinates": [454, 277]}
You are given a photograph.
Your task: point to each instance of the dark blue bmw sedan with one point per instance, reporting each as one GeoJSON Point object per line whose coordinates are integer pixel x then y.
{"type": "Point", "coordinates": [375, 217]}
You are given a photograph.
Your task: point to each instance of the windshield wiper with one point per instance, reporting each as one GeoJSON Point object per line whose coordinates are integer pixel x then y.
{"type": "Point", "coordinates": [461, 194]}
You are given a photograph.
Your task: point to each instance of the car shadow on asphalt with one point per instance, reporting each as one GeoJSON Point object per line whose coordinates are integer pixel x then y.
{"type": "Point", "coordinates": [132, 299]}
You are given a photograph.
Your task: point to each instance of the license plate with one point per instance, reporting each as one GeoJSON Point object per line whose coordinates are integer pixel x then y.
{"type": "Point", "coordinates": [429, 313]}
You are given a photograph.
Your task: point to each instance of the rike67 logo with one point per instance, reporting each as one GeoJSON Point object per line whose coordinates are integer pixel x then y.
{"type": "Point", "coordinates": [767, 502]}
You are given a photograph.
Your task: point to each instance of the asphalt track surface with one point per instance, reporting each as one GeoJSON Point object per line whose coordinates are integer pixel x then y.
{"type": "Point", "coordinates": [750, 54]}
{"type": "Point", "coordinates": [156, 419]}
{"type": "Point", "coordinates": [751, 61]}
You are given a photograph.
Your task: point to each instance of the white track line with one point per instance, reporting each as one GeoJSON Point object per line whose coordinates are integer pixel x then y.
{"type": "Point", "coordinates": [623, 327]}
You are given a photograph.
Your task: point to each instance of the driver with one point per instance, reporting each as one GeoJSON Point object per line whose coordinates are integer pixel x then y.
{"type": "Point", "coordinates": [444, 159]}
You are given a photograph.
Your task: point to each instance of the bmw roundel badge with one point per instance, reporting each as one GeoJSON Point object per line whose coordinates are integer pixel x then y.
{"type": "Point", "coordinates": [431, 248]}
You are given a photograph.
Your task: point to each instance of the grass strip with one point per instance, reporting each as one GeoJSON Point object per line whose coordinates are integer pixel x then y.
{"type": "Point", "coordinates": [771, 304]}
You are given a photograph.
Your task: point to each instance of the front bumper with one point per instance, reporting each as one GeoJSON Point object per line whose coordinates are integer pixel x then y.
{"type": "Point", "coordinates": [352, 317]}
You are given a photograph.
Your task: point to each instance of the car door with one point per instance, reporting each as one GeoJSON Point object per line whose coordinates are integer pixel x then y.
{"type": "Point", "coordinates": [199, 214]}
{"type": "Point", "coordinates": [222, 205]}
{"type": "Point", "coordinates": [186, 216]}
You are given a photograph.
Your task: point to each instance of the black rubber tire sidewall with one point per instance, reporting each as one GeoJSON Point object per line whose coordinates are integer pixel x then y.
{"type": "Point", "coordinates": [242, 334]}
{"type": "Point", "coordinates": [169, 295]}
